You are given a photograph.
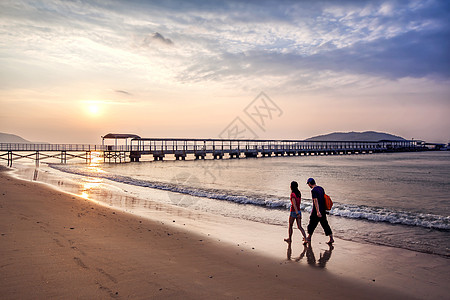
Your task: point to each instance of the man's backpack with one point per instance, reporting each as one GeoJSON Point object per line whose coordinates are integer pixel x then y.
{"type": "Point", "coordinates": [328, 202]}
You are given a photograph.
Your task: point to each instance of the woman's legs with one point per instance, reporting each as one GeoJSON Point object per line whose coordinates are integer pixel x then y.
{"type": "Point", "coordinates": [299, 225]}
{"type": "Point", "coordinates": [290, 230]}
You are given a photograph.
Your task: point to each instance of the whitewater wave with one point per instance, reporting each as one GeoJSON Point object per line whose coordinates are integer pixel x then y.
{"type": "Point", "coordinates": [375, 214]}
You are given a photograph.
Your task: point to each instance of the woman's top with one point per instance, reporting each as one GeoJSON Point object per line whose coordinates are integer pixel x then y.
{"type": "Point", "coordinates": [297, 201]}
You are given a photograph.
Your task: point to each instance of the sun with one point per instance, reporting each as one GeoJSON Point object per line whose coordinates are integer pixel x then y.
{"type": "Point", "coordinates": [93, 109]}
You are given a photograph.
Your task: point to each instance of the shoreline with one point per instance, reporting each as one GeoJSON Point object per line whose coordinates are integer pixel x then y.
{"type": "Point", "coordinates": [118, 193]}
{"type": "Point", "coordinates": [59, 245]}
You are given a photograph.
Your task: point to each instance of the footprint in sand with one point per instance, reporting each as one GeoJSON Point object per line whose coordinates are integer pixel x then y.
{"type": "Point", "coordinates": [79, 262]}
{"type": "Point", "coordinates": [58, 243]}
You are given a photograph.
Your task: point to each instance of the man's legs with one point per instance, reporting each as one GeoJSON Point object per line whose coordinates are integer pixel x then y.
{"type": "Point", "coordinates": [313, 221]}
{"type": "Point", "coordinates": [326, 227]}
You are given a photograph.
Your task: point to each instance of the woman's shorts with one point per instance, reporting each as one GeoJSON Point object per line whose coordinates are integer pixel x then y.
{"type": "Point", "coordinates": [295, 215]}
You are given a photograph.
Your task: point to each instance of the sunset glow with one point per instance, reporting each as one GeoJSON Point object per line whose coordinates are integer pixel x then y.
{"type": "Point", "coordinates": [94, 109]}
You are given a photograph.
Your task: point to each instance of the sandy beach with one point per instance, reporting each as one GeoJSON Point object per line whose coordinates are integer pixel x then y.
{"type": "Point", "coordinates": [60, 246]}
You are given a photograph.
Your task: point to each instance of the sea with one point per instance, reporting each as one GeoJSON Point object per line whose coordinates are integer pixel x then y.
{"type": "Point", "coordinates": [394, 199]}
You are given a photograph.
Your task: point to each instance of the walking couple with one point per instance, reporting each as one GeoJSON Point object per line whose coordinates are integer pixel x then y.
{"type": "Point", "coordinates": [318, 213]}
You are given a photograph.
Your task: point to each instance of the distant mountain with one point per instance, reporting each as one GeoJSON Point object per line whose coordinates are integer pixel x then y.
{"type": "Point", "coordinates": [11, 138]}
{"type": "Point", "coordinates": [369, 136]}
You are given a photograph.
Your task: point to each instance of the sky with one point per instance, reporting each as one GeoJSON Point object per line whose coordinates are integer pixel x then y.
{"type": "Point", "coordinates": [73, 71]}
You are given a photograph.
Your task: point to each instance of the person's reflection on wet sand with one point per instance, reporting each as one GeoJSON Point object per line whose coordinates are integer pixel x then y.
{"type": "Point", "coordinates": [289, 252]}
{"type": "Point", "coordinates": [325, 257]}
{"type": "Point", "coordinates": [305, 248]}
{"type": "Point", "coordinates": [310, 257]}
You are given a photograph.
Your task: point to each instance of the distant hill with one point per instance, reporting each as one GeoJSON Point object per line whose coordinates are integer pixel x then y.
{"type": "Point", "coordinates": [11, 138]}
{"type": "Point", "coordinates": [369, 136]}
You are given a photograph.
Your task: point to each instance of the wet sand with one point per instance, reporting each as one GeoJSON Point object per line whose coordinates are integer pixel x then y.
{"type": "Point", "coordinates": [56, 245]}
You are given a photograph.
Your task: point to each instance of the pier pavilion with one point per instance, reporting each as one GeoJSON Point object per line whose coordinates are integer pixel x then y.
{"type": "Point", "coordinates": [114, 152]}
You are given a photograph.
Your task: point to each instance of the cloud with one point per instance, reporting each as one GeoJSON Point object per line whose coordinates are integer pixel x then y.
{"type": "Point", "coordinates": [413, 54]}
{"type": "Point", "coordinates": [123, 92]}
{"type": "Point", "coordinates": [156, 38]}
{"type": "Point", "coordinates": [411, 42]}
{"type": "Point", "coordinates": [235, 41]}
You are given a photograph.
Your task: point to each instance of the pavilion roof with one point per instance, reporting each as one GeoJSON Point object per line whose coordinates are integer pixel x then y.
{"type": "Point", "coordinates": [120, 136]}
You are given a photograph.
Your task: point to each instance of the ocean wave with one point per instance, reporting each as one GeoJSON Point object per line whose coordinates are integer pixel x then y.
{"type": "Point", "coordinates": [363, 212]}
{"type": "Point", "coordinates": [391, 216]}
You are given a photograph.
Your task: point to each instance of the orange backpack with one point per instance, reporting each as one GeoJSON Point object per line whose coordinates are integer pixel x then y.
{"type": "Point", "coordinates": [328, 202]}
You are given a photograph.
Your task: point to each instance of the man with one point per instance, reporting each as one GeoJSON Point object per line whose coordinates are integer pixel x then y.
{"type": "Point", "coordinates": [318, 213]}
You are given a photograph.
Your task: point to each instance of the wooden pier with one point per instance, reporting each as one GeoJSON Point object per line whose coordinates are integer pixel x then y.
{"type": "Point", "coordinates": [159, 148]}
{"type": "Point", "coordinates": [37, 152]}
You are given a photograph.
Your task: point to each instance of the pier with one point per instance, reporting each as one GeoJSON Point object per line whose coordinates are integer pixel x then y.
{"type": "Point", "coordinates": [219, 148]}
{"type": "Point", "coordinates": [37, 152]}
{"type": "Point", "coordinates": [136, 148]}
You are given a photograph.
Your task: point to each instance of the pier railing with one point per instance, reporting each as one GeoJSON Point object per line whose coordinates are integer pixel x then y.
{"type": "Point", "coordinates": [61, 147]}
{"type": "Point", "coordinates": [49, 147]}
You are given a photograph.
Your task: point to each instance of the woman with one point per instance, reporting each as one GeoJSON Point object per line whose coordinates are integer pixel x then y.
{"type": "Point", "coordinates": [295, 213]}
